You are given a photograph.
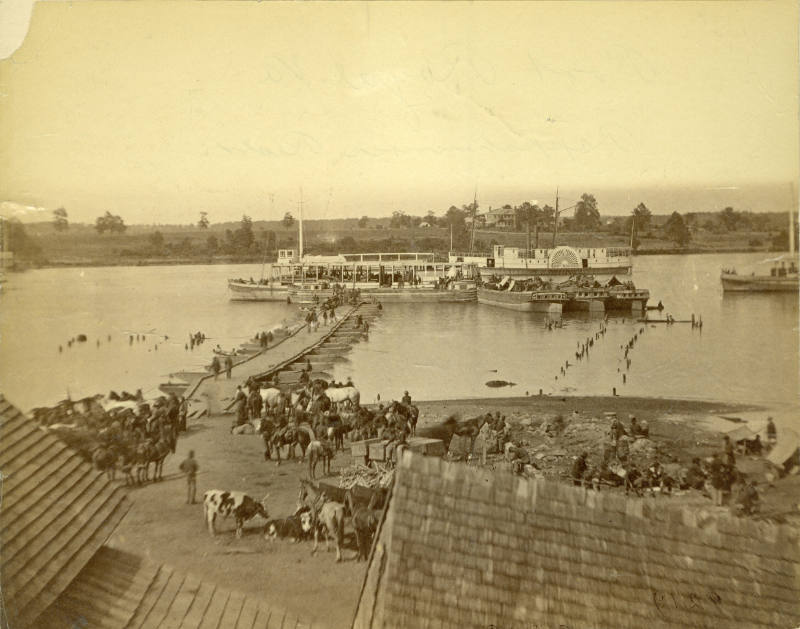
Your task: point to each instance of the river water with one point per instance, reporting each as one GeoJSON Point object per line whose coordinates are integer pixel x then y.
{"type": "Point", "coordinates": [747, 350]}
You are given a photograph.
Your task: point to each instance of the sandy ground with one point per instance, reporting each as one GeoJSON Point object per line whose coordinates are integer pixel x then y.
{"type": "Point", "coordinates": [163, 527]}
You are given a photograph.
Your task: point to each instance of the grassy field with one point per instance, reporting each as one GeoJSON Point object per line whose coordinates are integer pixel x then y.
{"type": "Point", "coordinates": [81, 245]}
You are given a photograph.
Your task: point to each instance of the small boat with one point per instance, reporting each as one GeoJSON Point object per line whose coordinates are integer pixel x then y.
{"type": "Point", "coordinates": [178, 388]}
{"type": "Point", "coordinates": [663, 320]}
{"type": "Point", "coordinates": [502, 295]}
{"type": "Point", "coordinates": [781, 279]}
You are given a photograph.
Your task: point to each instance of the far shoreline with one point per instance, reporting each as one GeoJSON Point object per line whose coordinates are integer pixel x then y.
{"type": "Point", "coordinates": [147, 262]}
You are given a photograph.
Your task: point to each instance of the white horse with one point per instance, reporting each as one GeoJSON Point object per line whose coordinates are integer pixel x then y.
{"type": "Point", "coordinates": [339, 395]}
{"type": "Point", "coordinates": [271, 397]}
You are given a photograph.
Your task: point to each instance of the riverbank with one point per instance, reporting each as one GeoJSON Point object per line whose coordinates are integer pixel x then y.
{"type": "Point", "coordinates": [117, 261]}
{"type": "Point", "coordinates": [160, 524]}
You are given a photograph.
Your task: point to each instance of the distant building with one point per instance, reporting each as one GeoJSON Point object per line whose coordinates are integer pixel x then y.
{"type": "Point", "coordinates": [465, 547]}
{"type": "Point", "coordinates": [424, 224]}
{"type": "Point", "coordinates": [501, 218]}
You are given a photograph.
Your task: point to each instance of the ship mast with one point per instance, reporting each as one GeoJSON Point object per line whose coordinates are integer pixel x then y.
{"type": "Point", "coordinates": [633, 224]}
{"type": "Point", "coordinates": [474, 219]}
{"type": "Point", "coordinates": [791, 223]}
{"type": "Point", "coordinates": [301, 225]}
{"type": "Point", "coordinates": [555, 221]}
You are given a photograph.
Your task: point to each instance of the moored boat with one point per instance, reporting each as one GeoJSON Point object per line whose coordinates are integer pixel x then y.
{"type": "Point", "coordinates": [513, 295]}
{"type": "Point", "coordinates": [242, 290]}
{"type": "Point", "coordinates": [780, 280]}
{"type": "Point", "coordinates": [575, 295]}
{"type": "Point", "coordinates": [390, 277]}
{"type": "Point", "coordinates": [558, 263]}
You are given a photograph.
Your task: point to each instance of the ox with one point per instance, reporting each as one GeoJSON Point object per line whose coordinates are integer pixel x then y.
{"type": "Point", "coordinates": [226, 503]}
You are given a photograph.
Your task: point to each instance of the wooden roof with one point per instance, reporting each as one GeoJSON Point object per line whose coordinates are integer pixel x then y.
{"type": "Point", "coordinates": [56, 512]}
{"type": "Point", "coordinates": [461, 547]}
{"type": "Point", "coordinates": [119, 590]}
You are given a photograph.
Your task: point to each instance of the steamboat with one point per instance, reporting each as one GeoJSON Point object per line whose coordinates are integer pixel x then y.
{"type": "Point", "coordinates": [385, 276]}
{"type": "Point", "coordinates": [558, 264]}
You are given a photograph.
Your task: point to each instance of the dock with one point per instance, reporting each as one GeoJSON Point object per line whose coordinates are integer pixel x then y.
{"type": "Point", "coordinates": [283, 361]}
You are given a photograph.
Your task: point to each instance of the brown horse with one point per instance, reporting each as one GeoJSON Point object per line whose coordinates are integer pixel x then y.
{"type": "Point", "coordinates": [148, 452]}
{"type": "Point", "coordinates": [291, 436]}
{"type": "Point", "coordinates": [408, 412]}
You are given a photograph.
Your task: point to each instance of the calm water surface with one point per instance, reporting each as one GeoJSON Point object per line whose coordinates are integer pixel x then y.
{"type": "Point", "coordinates": [747, 350]}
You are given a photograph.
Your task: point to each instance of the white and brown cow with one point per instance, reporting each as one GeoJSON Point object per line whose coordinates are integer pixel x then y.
{"type": "Point", "coordinates": [236, 503]}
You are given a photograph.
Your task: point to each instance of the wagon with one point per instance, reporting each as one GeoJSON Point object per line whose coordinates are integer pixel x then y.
{"type": "Point", "coordinates": [361, 494]}
{"type": "Point", "coordinates": [359, 450]}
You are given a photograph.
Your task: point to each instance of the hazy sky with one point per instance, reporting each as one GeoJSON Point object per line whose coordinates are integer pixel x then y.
{"type": "Point", "coordinates": [157, 110]}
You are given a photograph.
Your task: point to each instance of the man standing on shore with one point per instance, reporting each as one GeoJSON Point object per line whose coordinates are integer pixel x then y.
{"type": "Point", "coordinates": [190, 467]}
{"type": "Point", "coordinates": [772, 433]}
{"type": "Point", "coordinates": [182, 413]}
{"type": "Point", "coordinates": [228, 367]}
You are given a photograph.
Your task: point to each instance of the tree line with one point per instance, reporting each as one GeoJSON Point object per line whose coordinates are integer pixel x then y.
{"type": "Point", "coordinates": [242, 239]}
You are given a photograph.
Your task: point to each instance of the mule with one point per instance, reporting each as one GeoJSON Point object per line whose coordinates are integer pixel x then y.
{"type": "Point", "coordinates": [365, 521]}
{"type": "Point", "coordinates": [327, 516]}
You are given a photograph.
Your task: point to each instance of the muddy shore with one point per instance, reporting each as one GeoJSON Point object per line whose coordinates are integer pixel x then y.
{"type": "Point", "coordinates": [162, 526]}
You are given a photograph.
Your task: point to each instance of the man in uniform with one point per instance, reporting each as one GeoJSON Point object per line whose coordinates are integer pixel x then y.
{"type": "Point", "coordinates": [190, 467]}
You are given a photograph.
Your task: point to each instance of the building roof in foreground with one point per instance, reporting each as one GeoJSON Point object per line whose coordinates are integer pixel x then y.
{"type": "Point", "coordinates": [117, 590]}
{"type": "Point", "coordinates": [56, 513]}
{"type": "Point", "coordinates": [459, 547]}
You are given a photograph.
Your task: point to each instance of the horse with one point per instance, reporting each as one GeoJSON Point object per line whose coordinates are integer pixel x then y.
{"type": "Point", "coordinates": [105, 460]}
{"type": "Point", "coordinates": [337, 431]}
{"type": "Point", "coordinates": [319, 451]}
{"type": "Point", "coordinates": [365, 522]}
{"type": "Point", "coordinates": [328, 516]}
{"type": "Point", "coordinates": [271, 397]}
{"type": "Point", "coordinates": [142, 461]}
{"type": "Point", "coordinates": [318, 404]}
{"type": "Point", "coordinates": [148, 452]}
{"type": "Point", "coordinates": [344, 396]}
{"type": "Point", "coordinates": [291, 436]}
{"type": "Point", "coordinates": [408, 412]}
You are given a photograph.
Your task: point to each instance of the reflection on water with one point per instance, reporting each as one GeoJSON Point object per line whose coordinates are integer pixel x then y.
{"type": "Point", "coordinates": [747, 350]}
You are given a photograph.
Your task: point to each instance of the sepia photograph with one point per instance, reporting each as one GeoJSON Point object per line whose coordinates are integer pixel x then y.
{"type": "Point", "coordinates": [399, 315]}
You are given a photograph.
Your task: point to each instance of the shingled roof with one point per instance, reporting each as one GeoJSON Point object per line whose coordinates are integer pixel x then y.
{"type": "Point", "coordinates": [119, 590]}
{"type": "Point", "coordinates": [56, 513]}
{"type": "Point", "coordinates": [461, 547]}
